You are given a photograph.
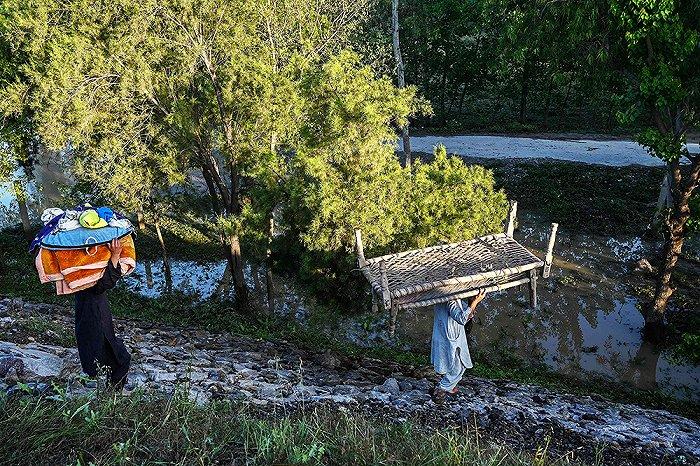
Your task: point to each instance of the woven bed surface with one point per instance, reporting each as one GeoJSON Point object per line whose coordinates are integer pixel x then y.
{"type": "Point", "coordinates": [451, 268]}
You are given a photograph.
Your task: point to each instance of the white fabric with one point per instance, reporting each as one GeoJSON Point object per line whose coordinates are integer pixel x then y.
{"type": "Point", "coordinates": [49, 214]}
{"type": "Point", "coordinates": [449, 338]}
{"type": "Point", "coordinates": [120, 223]}
{"type": "Point", "coordinates": [69, 221]}
{"type": "Point", "coordinates": [450, 380]}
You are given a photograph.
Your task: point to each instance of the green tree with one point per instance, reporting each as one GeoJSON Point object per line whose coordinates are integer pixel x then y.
{"type": "Point", "coordinates": [661, 40]}
{"type": "Point", "coordinates": [19, 143]}
{"type": "Point", "coordinates": [345, 174]}
{"type": "Point", "coordinates": [450, 201]}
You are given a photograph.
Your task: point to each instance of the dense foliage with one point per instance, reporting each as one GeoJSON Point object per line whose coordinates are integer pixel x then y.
{"type": "Point", "coordinates": [266, 102]}
{"type": "Point", "coordinates": [504, 65]}
{"type": "Point", "coordinates": [452, 202]}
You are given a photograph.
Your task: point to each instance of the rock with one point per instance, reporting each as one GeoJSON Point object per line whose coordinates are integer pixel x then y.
{"type": "Point", "coordinates": [390, 385]}
{"type": "Point", "coordinates": [328, 360]}
{"type": "Point", "coordinates": [31, 388]}
{"type": "Point", "coordinates": [643, 265]}
{"type": "Point", "coordinates": [268, 390]}
{"type": "Point", "coordinates": [38, 361]}
{"type": "Point", "coordinates": [304, 392]}
{"type": "Point", "coordinates": [11, 367]}
{"type": "Point", "coordinates": [349, 390]}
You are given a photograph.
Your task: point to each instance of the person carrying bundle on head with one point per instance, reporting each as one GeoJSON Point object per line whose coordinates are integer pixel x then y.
{"type": "Point", "coordinates": [85, 252]}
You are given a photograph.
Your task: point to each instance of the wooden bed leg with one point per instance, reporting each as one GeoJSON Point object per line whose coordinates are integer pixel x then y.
{"type": "Point", "coordinates": [386, 296]}
{"type": "Point", "coordinates": [533, 288]}
{"type": "Point", "coordinates": [392, 321]}
{"type": "Point", "coordinates": [550, 249]}
{"type": "Point", "coordinates": [511, 218]}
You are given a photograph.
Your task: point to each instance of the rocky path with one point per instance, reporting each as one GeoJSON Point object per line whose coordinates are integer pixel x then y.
{"type": "Point", "coordinates": [266, 373]}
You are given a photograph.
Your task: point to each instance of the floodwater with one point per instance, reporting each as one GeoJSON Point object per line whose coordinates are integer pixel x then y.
{"type": "Point", "coordinates": [614, 153]}
{"type": "Point", "coordinates": [588, 323]}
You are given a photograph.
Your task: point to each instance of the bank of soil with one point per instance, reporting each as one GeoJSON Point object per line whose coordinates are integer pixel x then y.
{"type": "Point", "coordinates": [267, 373]}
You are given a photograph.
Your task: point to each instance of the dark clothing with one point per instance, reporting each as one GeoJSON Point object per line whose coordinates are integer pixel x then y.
{"type": "Point", "coordinates": [94, 330]}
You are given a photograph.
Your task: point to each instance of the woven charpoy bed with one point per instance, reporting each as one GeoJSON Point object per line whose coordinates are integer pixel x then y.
{"type": "Point", "coordinates": [436, 274]}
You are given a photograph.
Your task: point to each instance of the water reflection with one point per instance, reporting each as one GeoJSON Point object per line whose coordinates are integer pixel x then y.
{"type": "Point", "coordinates": [201, 280]}
{"type": "Point", "coordinates": [206, 280]}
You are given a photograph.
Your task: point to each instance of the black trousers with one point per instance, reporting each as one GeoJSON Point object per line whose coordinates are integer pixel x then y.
{"type": "Point", "coordinates": [94, 331]}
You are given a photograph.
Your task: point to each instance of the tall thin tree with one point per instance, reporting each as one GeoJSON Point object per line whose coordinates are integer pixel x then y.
{"type": "Point", "coordinates": [400, 73]}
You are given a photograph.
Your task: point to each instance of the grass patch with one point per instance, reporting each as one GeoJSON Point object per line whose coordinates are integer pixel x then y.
{"type": "Point", "coordinates": [38, 327]}
{"type": "Point", "coordinates": [586, 198]}
{"type": "Point", "coordinates": [148, 428]}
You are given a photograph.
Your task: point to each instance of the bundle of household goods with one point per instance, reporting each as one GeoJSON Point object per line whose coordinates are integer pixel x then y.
{"type": "Point", "coordinates": [74, 246]}
{"type": "Point", "coordinates": [437, 274]}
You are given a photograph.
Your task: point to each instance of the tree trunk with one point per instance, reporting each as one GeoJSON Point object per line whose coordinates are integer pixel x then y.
{"type": "Point", "coordinates": [166, 262]}
{"type": "Point", "coordinates": [665, 200]}
{"type": "Point", "coordinates": [235, 260]}
{"type": "Point", "coordinates": [233, 207]}
{"type": "Point", "coordinates": [524, 91]}
{"type": "Point", "coordinates": [400, 74]}
{"type": "Point", "coordinates": [675, 233]}
{"type": "Point", "coordinates": [140, 220]}
{"type": "Point", "coordinates": [548, 101]}
{"type": "Point", "coordinates": [21, 196]}
{"type": "Point", "coordinates": [212, 189]}
{"type": "Point", "coordinates": [149, 274]}
{"type": "Point", "coordinates": [268, 267]}
{"type": "Point", "coordinates": [224, 286]}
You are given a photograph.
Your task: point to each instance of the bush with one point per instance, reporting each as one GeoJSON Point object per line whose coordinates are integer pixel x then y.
{"type": "Point", "coordinates": [450, 201]}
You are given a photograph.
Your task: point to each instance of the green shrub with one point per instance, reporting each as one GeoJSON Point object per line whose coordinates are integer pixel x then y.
{"type": "Point", "coordinates": [450, 201]}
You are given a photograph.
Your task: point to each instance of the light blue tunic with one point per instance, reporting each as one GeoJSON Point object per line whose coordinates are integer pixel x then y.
{"type": "Point", "coordinates": [449, 337]}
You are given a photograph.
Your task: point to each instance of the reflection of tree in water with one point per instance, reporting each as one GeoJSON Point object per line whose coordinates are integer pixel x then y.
{"type": "Point", "coordinates": [560, 329]}
{"type": "Point", "coordinates": [149, 273]}
{"type": "Point", "coordinates": [642, 370]}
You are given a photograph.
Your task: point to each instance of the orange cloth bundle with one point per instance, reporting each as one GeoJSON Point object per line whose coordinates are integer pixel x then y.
{"type": "Point", "coordinates": [77, 269]}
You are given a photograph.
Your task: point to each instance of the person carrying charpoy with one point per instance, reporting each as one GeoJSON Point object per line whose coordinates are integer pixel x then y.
{"type": "Point", "coordinates": [449, 352]}
{"type": "Point", "coordinates": [85, 252]}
